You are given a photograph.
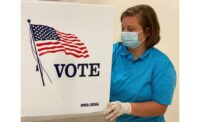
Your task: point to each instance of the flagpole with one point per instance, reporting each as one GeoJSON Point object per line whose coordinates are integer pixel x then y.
{"type": "Point", "coordinates": [38, 60]}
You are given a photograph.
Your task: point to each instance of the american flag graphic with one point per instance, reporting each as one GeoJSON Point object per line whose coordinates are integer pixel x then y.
{"type": "Point", "coordinates": [49, 40]}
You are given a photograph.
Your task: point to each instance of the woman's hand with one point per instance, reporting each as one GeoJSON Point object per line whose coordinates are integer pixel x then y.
{"type": "Point", "coordinates": [115, 109]}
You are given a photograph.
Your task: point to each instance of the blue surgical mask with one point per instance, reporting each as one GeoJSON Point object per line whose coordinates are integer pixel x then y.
{"type": "Point", "coordinates": [130, 39]}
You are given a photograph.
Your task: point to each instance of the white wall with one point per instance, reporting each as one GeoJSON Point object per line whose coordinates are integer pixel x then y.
{"type": "Point", "coordinates": [168, 15]}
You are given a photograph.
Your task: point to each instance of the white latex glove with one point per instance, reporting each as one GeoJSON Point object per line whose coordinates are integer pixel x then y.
{"type": "Point", "coordinates": [115, 109]}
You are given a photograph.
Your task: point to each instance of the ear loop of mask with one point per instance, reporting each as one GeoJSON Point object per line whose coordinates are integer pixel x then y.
{"type": "Point", "coordinates": [140, 42]}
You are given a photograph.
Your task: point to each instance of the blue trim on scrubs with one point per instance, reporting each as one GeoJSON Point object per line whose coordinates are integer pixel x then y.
{"type": "Point", "coordinates": [151, 77]}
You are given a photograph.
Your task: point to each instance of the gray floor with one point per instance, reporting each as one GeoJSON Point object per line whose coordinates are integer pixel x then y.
{"type": "Point", "coordinates": [94, 117]}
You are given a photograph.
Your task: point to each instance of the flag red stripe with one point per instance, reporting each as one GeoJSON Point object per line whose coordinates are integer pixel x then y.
{"type": "Point", "coordinates": [46, 48]}
{"type": "Point", "coordinates": [81, 48]}
{"type": "Point", "coordinates": [65, 33]}
{"type": "Point", "coordinates": [70, 41]}
{"type": "Point", "coordinates": [46, 43]}
{"type": "Point", "coordinates": [65, 44]}
{"type": "Point", "coordinates": [69, 37]}
{"type": "Point", "coordinates": [55, 47]}
{"type": "Point", "coordinates": [67, 53]}
{"type": "Point", "coordinates": [78, 44]}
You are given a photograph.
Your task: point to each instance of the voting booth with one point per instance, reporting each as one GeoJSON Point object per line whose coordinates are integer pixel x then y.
{"type": "Point", "coordinates": [66, 53]}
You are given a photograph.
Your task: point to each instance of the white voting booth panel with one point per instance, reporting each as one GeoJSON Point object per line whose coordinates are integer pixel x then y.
{"type": "Point", "coordinates": [66, 58]}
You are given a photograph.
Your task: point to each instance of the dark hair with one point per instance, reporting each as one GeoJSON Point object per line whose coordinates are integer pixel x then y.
{"type": "Point", "coordinates": [148, 21]}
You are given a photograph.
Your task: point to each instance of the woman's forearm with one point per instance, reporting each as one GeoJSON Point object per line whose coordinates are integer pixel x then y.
{"type": "Point", "coordinates": [150, 108]}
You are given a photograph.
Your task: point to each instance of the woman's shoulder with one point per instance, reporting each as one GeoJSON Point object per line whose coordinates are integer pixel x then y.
{"type": "Point", "coordinates": [117, 46]}
{"type": "Point", "coordinates": [160, 57]}
{"type": "Point", "coordinates": [159, 53]}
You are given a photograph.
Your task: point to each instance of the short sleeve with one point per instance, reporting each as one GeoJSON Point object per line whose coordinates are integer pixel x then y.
{"type": "Point", "coordinates": [163, 82]}
{"type": "Point", "coordinates": [115, 51]}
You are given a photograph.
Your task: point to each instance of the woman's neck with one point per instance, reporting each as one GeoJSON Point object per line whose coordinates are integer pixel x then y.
{"type": "Point", "coordinates": [137, 52]}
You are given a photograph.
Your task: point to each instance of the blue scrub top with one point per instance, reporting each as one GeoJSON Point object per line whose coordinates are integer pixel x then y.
{"type": "Point", "coordinates": [151, 77]}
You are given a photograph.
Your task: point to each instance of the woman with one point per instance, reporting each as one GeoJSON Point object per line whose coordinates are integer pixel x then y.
{"type": "Point", "coordinates": [143, 78]}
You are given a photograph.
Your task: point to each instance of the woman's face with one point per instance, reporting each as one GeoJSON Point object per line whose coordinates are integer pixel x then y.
{"type": "Point", "coordinates": [132, 24]}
